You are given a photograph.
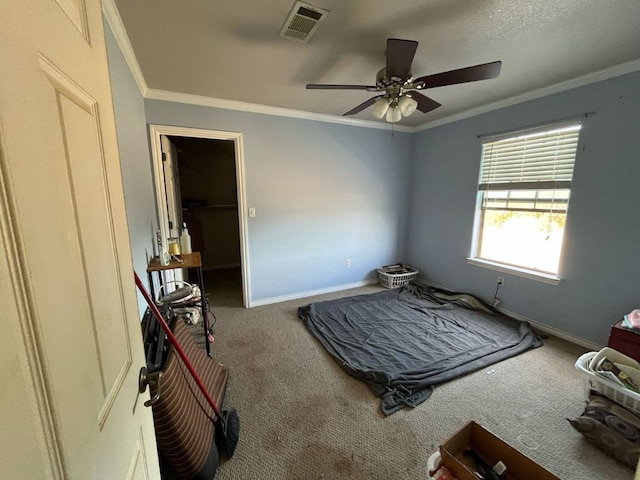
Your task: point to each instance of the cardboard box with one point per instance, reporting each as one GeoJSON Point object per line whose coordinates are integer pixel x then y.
{"type": "Point", "coordinates": [491, 448]}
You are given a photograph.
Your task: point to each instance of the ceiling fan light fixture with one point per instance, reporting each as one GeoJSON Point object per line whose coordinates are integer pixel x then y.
{"type": "Point", "coordinates": [380, 107]}
{"type": "Point", "coordinates": [407, 105]}
{"type": "Point", "coordinates": [393, 115]}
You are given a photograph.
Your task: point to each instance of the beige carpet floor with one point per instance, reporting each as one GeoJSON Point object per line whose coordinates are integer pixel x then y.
{"type": "Point", "coordinates": [302, 417]}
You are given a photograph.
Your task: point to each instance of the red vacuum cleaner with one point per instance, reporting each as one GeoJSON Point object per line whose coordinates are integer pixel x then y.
{"type": "Point", "coordinates": [227, 424]}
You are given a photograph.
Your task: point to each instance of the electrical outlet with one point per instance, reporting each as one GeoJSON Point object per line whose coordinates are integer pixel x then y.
{"type": "Point", "coordinates": [348, 262]}
{"type": "Point", "coordinates": [500, 280]}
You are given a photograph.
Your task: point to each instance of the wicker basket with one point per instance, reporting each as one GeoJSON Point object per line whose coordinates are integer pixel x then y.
{"type": "Point", "coordinates": [394, 276]}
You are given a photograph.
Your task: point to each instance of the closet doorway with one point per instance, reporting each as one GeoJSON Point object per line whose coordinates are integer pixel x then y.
{"type": "Point", "coordinates": [199, 177]}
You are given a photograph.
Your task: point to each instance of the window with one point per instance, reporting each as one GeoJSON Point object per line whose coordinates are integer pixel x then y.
{"type": "Point", "coordinates": [523, 194]}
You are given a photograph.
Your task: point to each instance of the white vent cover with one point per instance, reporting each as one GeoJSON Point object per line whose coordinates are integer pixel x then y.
{"type": "Point", "coordinates": [303, 21]}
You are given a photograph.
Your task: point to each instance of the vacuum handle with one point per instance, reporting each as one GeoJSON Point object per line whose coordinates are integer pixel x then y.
{"type": "Point", "coordinates": [176, 345]}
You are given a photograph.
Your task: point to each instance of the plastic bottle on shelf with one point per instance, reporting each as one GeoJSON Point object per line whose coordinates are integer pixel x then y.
{"type": "Point", "coordinates": [163, 255]}
{"type": "Point", "coordinates": [185, 240]}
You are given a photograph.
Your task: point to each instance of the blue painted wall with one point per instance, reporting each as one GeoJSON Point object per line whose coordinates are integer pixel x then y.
{"type": "Point", "coordinates": [322, 192]}
{"type": "Point", "coordinates": [135, 159]}
{"type": "Point", "coordinates": [600, 267]}
{"type": "Point", "coordinates": [327, 192]}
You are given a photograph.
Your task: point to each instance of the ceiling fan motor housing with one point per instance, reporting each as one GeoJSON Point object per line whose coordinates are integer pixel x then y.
{"type": "Point", "coordinates": [393, 87]}
{"type": "Point", "coordinates": [383, 82]}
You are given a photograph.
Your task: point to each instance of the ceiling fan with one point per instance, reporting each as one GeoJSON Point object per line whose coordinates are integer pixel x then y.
{"type": "Point", "coordinates": [400, 98]}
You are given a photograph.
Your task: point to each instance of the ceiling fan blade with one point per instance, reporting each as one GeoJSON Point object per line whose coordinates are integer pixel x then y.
{"type": "Point", "coordinates": [362, 106]}
{"type": "Point", "coordinates": [400, 55]}
{"type": "Point", "coordinates": [325, 86]}
{"type": "Point", "coordinates": [461, 75]}
{"type": "Point", "coordinates": [425, 104]}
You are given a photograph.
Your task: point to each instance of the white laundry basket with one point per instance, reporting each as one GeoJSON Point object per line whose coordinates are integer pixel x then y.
{"type": "Point", "coordinates": [592, 381]}
{"type": "Point", "coordinates": [394, 276]}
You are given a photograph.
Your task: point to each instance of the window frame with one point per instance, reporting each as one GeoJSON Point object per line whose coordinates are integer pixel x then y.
{"type": "Point", "coordinates": [483, 189]}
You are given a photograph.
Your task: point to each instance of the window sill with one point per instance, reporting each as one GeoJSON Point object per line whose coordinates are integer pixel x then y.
{"type": "Point", "coordinates": [519, 272]}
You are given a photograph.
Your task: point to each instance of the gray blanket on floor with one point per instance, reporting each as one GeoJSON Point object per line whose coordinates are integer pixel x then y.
{"type": "Point", "coordinates": [404, 341]}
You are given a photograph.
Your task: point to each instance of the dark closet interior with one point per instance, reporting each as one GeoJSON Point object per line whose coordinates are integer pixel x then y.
{"type": "Point", "coordinates": [209, 199]}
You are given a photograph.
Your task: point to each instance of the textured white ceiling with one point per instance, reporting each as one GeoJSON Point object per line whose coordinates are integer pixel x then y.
{"type": "Point", "coordinates": [231, 49]}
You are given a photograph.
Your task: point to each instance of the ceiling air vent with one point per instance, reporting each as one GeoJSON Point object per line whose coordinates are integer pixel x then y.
{"type": "Point", "coordinates": [303, 21]}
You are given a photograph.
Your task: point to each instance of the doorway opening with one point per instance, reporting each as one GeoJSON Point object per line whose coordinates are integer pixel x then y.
{"type": "Point", "coordinates": [199, 176]}
{"type": "Point", "coordinates": [208, 199]}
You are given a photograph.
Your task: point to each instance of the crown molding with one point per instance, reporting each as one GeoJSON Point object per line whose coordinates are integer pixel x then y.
{"type": "Point", "coordinates": [593, 77]}
{"type": "Point", "coordinates": [605, 74]}
{"type": "Point", "coordinates": [111, 14]}
{"type": "Point", "coordinates": [204, 101]}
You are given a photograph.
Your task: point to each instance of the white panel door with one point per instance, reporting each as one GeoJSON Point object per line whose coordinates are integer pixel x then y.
{"type": "Point", "coordinates": [173, 222]}
{"type": "Point", "coordinates": [171, 186]}
{"type": "Point", "coordinates": [67, 273]}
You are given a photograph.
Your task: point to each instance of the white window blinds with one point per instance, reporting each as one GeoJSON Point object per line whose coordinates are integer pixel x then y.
{"type": "Point", "coordinates": [535, 159]}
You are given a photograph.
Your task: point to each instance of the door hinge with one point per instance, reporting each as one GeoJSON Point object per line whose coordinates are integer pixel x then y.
{"type": "Point", "coordinates": [164, 157]}
{"type": "Point", "coordinates": [170, 225]}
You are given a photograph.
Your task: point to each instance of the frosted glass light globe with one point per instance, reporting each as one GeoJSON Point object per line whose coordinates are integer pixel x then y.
{"type": "Point", "coordinates": [393, 115]}
{"type": "Point", "coordinates": [407, 105]}
{"type": "Point", "coordinates": [380, 107]}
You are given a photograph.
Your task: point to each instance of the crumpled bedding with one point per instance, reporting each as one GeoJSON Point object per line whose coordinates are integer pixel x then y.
{"type": "Point", "coordinates": [403, 342]}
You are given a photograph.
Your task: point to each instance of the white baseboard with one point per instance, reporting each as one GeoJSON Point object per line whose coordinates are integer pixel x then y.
{"type": "Point", "coordinates": [553, 331]}
{"type": "Point", "coordinates": [535, 324]}
{"type": "Point", "coordinates": [310, 293]}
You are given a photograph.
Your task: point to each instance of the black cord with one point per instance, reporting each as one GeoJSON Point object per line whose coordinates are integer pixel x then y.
{"type": "Point", "coordinates": [212, 315]}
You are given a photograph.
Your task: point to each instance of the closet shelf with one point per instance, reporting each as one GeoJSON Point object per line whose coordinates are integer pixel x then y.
{"type": "Point", "coordinates": [212, 207]}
